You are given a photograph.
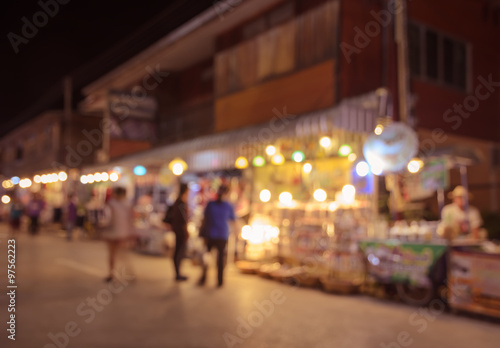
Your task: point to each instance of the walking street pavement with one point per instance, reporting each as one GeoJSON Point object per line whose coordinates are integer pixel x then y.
{"type": "Point", "coordinates": [61, 300]}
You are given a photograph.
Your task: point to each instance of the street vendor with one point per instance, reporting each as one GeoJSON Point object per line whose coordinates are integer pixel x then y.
{"type": "Point", "coordinates": [455, 221]}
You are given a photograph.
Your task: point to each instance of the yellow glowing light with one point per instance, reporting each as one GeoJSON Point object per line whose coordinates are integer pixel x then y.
{"type": "Point", "coordinates": [271, 150]}
{"type": "Point", "coordinates": [307, 167]}
{"type": "Point", "coordinates": [265, 195]}
{"type": "Point", "coordinates": [37, 179]}
{"type": "Point", "coordinates": [286, 197]}
{"type": "Point", "coordinates": [259, 233]}
{"type": "Point", "coordinates": [362, 169]}
{"type": "Point", "coordinates": [7, 184]}
{"type": "Point", "coordinates": [333, 206]}
{"type": "Point", "coordinates": [246, 232]}
{"type": "Point", "coordinates": [84, 179]}
{"type": "Point", "coordinates": [97, 177]}
{"type": "Point", "coordinates": [320, 195]}
{"type": "Point", "coordinates": [377, 167]}
{"type": "Point", "coordinates": [90, 179]}
{"type": "Point", "coordinates": [325, 142]}
{"type": "Point", "coordinates": [241, 163]}
{"type": "Point", "coordinates": [113, 177]}
{"type": "Point", "coordinates": [45, 179]}
{"type": "Point", "coordinates": [348, 194]}
{"type": "Point", "coordinates": [278, 159]}
{"type": "Point", "coordinates": [25, 183]}
{"type": "Point", "coordinates": [5, 199]}
{"type": "Point", "coordinates": [177, 169]}
{"type": "Point", "coordinates": [177, 166]}
{"type": "Point", "coordinates": [62, 176]}
{"type": "Point", "coordinates": [53, 177]}
{"type": "Point", "coordinates": [104, 176]}
{"type": "Point", "coordinates": [379, 129]}
{"type": "Point", "coordinates": [352, 157]}
{"type": "Point", "coordinates": [415, 165]}
{"type": "Point", "coordinates": [274, 232]}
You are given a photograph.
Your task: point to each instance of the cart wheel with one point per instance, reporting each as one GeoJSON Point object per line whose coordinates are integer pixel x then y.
{"type": "Point", "coordinates": [415, 295]}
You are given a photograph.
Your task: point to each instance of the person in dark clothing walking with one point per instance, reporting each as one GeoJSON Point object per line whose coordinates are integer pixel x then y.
{"type": "Point", "coordinates": [177, 218]}
{"type": "Point", "coordinates": [217, 214]}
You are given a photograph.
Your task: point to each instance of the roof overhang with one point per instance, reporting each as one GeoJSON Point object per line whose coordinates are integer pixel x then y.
{"type": "Point", "coordinates": [191, 43]}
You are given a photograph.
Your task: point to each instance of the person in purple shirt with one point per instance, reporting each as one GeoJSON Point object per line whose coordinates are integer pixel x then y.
{"type": "Point", "coordinates": [217, 214]}
{"type": "Point", "coordinates": [71, 216]}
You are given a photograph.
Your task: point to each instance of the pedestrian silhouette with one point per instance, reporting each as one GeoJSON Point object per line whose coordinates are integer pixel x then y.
{"type": "Point", "coordinates": [216, 229]}
{"type": "Point", "coordinates": [177, 217]}
{"type": "Point", "coordinates": [118, 230]}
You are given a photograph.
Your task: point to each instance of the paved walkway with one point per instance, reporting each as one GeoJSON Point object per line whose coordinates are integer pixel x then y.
{"type": "Point", "coordinates": [61, 294]}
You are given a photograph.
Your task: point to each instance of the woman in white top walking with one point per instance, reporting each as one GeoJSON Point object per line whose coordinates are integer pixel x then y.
{"type": "Point", "coordinates": [119, 222]}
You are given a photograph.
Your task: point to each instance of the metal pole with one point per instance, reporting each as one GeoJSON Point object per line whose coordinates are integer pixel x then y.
{"type": "Point", "coordinates": [463, 179]}
{"type": "Point", "coordinates": [440, 198]}
{"type": "Point", "coordinates": [403, 65]}
{"type": "Point", "coordinates": [106, 130]}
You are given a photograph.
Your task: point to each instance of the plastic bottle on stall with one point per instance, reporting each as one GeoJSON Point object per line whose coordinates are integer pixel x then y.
{"type": "Point", "coordinates": [414, 228]}
{"type": "Point", "coordinates": [425, 231]}
{"type": "Point", "coordinates": [405, 230]}
{"type": "Point", "coordinates": [397, 230]}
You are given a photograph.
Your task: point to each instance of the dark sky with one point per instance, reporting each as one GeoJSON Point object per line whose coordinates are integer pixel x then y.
{"type": "Point", "coordinates": [84, 38]}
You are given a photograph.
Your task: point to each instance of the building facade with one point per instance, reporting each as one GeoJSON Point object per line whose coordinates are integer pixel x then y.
{"type": "Point", "coordinates": [239, 63]}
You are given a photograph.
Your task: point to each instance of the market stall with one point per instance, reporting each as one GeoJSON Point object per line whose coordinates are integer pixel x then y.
{"type": "Point", "coordinates": [309, 209]}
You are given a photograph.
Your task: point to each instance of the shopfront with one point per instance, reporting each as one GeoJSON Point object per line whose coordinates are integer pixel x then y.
{"type": "Point", "coordinates": [289, 179]}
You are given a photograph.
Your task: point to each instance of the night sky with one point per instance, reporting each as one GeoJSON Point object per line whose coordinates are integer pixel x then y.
{"type": "Point", "coordinates": [83, 39]}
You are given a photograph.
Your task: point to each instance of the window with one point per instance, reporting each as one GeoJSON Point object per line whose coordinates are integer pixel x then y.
{"type": "Point", "coordinates": [288, 43]}
{"type": "Point", "coordinates": [269, 20]}
{"type": "Point", "coordinates": [495, 157]}
{"type": "Point", "coordinates": [437, 57]}
{"type": "Point", "coordinates": [414, 49]}
{"type": "Point", "coordinates": [431, 46]}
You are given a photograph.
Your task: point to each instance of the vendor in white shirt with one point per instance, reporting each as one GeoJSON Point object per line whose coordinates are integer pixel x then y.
{"type": "Point", "coordinates": [454, 219]}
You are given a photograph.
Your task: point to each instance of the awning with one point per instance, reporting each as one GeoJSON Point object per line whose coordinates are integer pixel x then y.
{"type": "Point", "coordinates": [352, 118]}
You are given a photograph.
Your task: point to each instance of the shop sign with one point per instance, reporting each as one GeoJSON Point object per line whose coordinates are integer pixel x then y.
{"type": "Point", "coordinates": [474, 281]}
{"type": "Point", "coordinates": [396, 262]}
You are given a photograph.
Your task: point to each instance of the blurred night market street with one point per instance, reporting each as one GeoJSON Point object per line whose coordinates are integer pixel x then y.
{"type": "Point", "coordinates": [250, 173]}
